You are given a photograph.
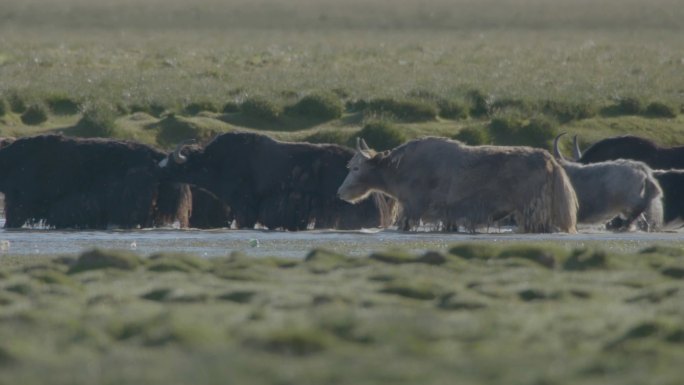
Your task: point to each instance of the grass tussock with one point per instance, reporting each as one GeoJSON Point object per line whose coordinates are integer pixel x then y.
{"type": "Point", "coordinates": [101, 259]}
{"type": "Point", "coordinates": [35, 114]}
{"type": "Point", "coordinates": [566, 111]}
{"type": "Point", "coordinates": [261, 109]}
{"type": "Point", "coordinates": [474, 136]}
{"type": "Point", "coordinates": [321, 107]}
{"type": "Point", "coordinates": [513, 130]}
{"type": "Point", "coordinates": [334, 136]}
{"type": "Point", "coordinates": [155, 109]}
{"type": "Point", "coordinates": [291, 342]}
{"type": "Point", "coordinates": [62, 105]}
{"type": "Point", "coordinates": [98, 120]}
{"type": "Point", "coordinates": [173, 129]}
{"type": "Point", "coordinates": [17, 101]}
{"type": "Point", "coordinates": [195, 108]}
{"type": "Point", "coordinates": [452, 109]}
{"type": "Point", "coordinates": [4, 107]}
{"type": "Point", "coordinates": [381, 135]}
{"type": "Point", "coordinates": [412, 110]}
{"type": "Point", "coordinates": [661, 110]}
{"type": "Point", "coordinates": [324, 261]}
{"type": "Point", "coordinates": [581, 260]}
{"type": "Point", "coordinates": [176, 262]}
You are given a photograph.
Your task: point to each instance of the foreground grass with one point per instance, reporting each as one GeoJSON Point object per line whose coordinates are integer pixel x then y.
{"type": "Point", "coordinates": [473, 314]}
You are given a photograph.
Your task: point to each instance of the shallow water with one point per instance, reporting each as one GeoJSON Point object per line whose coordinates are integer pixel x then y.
{"type": "Point", "coordinates": [212, 243]}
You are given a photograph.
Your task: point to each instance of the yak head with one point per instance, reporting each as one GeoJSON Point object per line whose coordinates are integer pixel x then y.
{"type": "Point", "coordinates": [183, 164]}
{"type": "Point", "coordinates": [363, 174]}
{"type": "Point", "coordinates": [178, 157]}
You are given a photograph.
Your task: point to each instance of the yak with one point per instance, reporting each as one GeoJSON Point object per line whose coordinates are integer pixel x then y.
{"type": "Point", "coordinates": [672, 183]}
{"type": "Point", "coordinates": [201, 208]}
{"type": "Point", "coordinates": [441, 180]}
{"type": "Point", "coordinates": [63, 182]}
{"type": "Point", "coordinates": [670, 180]}
{"type": "Point", "coordinates": [607, 189]}
{"type": "Point", "coordinates": [632, 147]}
{"type": "Point", "coordinates": [208, 211]}
{"type": "Point", "coordinates": [275, 184]}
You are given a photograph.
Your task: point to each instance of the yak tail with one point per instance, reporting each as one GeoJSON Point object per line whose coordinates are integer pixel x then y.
{"type": "Point", "coordinates": [564, 202]}
{"type": "Point", "coordinates": [653, 214]}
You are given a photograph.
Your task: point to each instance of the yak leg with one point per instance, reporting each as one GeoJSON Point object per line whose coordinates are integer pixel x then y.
{"type": "Point", "coordinates": [407, 223]}
{"type": "Point", "coordinates": [15, 212]}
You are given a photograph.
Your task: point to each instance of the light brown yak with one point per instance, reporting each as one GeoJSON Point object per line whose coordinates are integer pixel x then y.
{"type": "Point", "coordinates": [440, 180]}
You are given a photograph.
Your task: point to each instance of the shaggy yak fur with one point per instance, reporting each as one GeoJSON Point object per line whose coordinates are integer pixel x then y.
{"type": "Point", "coordinates": [624, 188]}
{"type": "Point", "coordinates": [63, 182]}
{"type": "Point", "coordinates": [667, 164]}
{"type": "Point", "coordinates": [442, 180]}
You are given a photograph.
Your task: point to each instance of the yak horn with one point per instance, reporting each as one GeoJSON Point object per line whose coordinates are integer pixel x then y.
{"type": "Point", "coordinates": [364, 145]}
{"type": "Point", "coordinates": [577, 153]}
{"type": "Point", "coordinates": [557, 152]}
{"type": "Point", "coordinates": [178, 157]}
{"type": "Point", "coordinates": [362, 148]}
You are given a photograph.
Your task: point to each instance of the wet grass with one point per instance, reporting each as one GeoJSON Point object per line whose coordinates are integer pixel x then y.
{"type": "Point", "coordinates": [474, 311]}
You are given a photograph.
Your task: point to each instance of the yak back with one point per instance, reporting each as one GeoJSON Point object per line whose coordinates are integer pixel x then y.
{"type": "Point", "coordinates": [636, 148]}
{"type": "Point", "coordinates": [79, 183]}
{"type": "Point", "coordinates": [437, 179]}
{"type": "Point", "coordinates": [61, 162]}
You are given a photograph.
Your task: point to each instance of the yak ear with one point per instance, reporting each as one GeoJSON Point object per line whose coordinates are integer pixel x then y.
{"type": "Point", "coordinates": [576, 152]}
{"type": "Point", "coordinates": [362, 148]}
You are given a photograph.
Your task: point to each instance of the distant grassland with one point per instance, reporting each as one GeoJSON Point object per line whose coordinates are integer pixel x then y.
{"type": "Point", "coordinates": [582, 55]}
{"type": "Point", "coordinates": [476, 313]}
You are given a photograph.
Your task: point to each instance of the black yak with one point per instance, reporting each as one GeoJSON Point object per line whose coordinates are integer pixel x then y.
{"type": "Point", "coordinates": [63, 182]}
{"type": "Point", "coordinates": [279, 185]}
{"type": "Point", "coordinates": [632, 147]}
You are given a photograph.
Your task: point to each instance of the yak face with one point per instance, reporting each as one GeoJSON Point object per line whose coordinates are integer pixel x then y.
{"type": "Point", "coordinates": [362, 177]}
{"type": "Point", "coordinates": [184, 164]}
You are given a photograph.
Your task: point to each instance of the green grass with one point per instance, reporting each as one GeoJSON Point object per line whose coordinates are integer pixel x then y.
{"type": "Point", "coordinates": [574, 61]}
{"type": "Point", "coordinates": [477, 312]}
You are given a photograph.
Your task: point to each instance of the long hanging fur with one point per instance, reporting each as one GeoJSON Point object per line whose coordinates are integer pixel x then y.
{"type": "Point", "coordinates": [564, 203]}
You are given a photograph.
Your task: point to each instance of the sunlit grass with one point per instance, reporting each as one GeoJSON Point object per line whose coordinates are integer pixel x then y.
{"type": "Point", "coordinates": [574, 61]}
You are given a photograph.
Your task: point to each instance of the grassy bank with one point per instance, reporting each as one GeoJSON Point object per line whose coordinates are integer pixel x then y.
{"type": "Point", "coordinates": [475, 313]}
{"type": "Point", "coordinates": [511, 72]}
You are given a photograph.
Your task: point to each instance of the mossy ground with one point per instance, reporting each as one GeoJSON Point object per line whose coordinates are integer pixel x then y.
{"type": "Point", "coordinates": [475, 312]}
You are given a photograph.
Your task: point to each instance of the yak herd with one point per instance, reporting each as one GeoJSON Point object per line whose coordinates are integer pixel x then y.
{"type": "Point", "coordinates": [242, 180]}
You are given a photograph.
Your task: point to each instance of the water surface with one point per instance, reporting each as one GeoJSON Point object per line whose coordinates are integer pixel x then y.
{"type": "Point", "coordinates": [212, 243]}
